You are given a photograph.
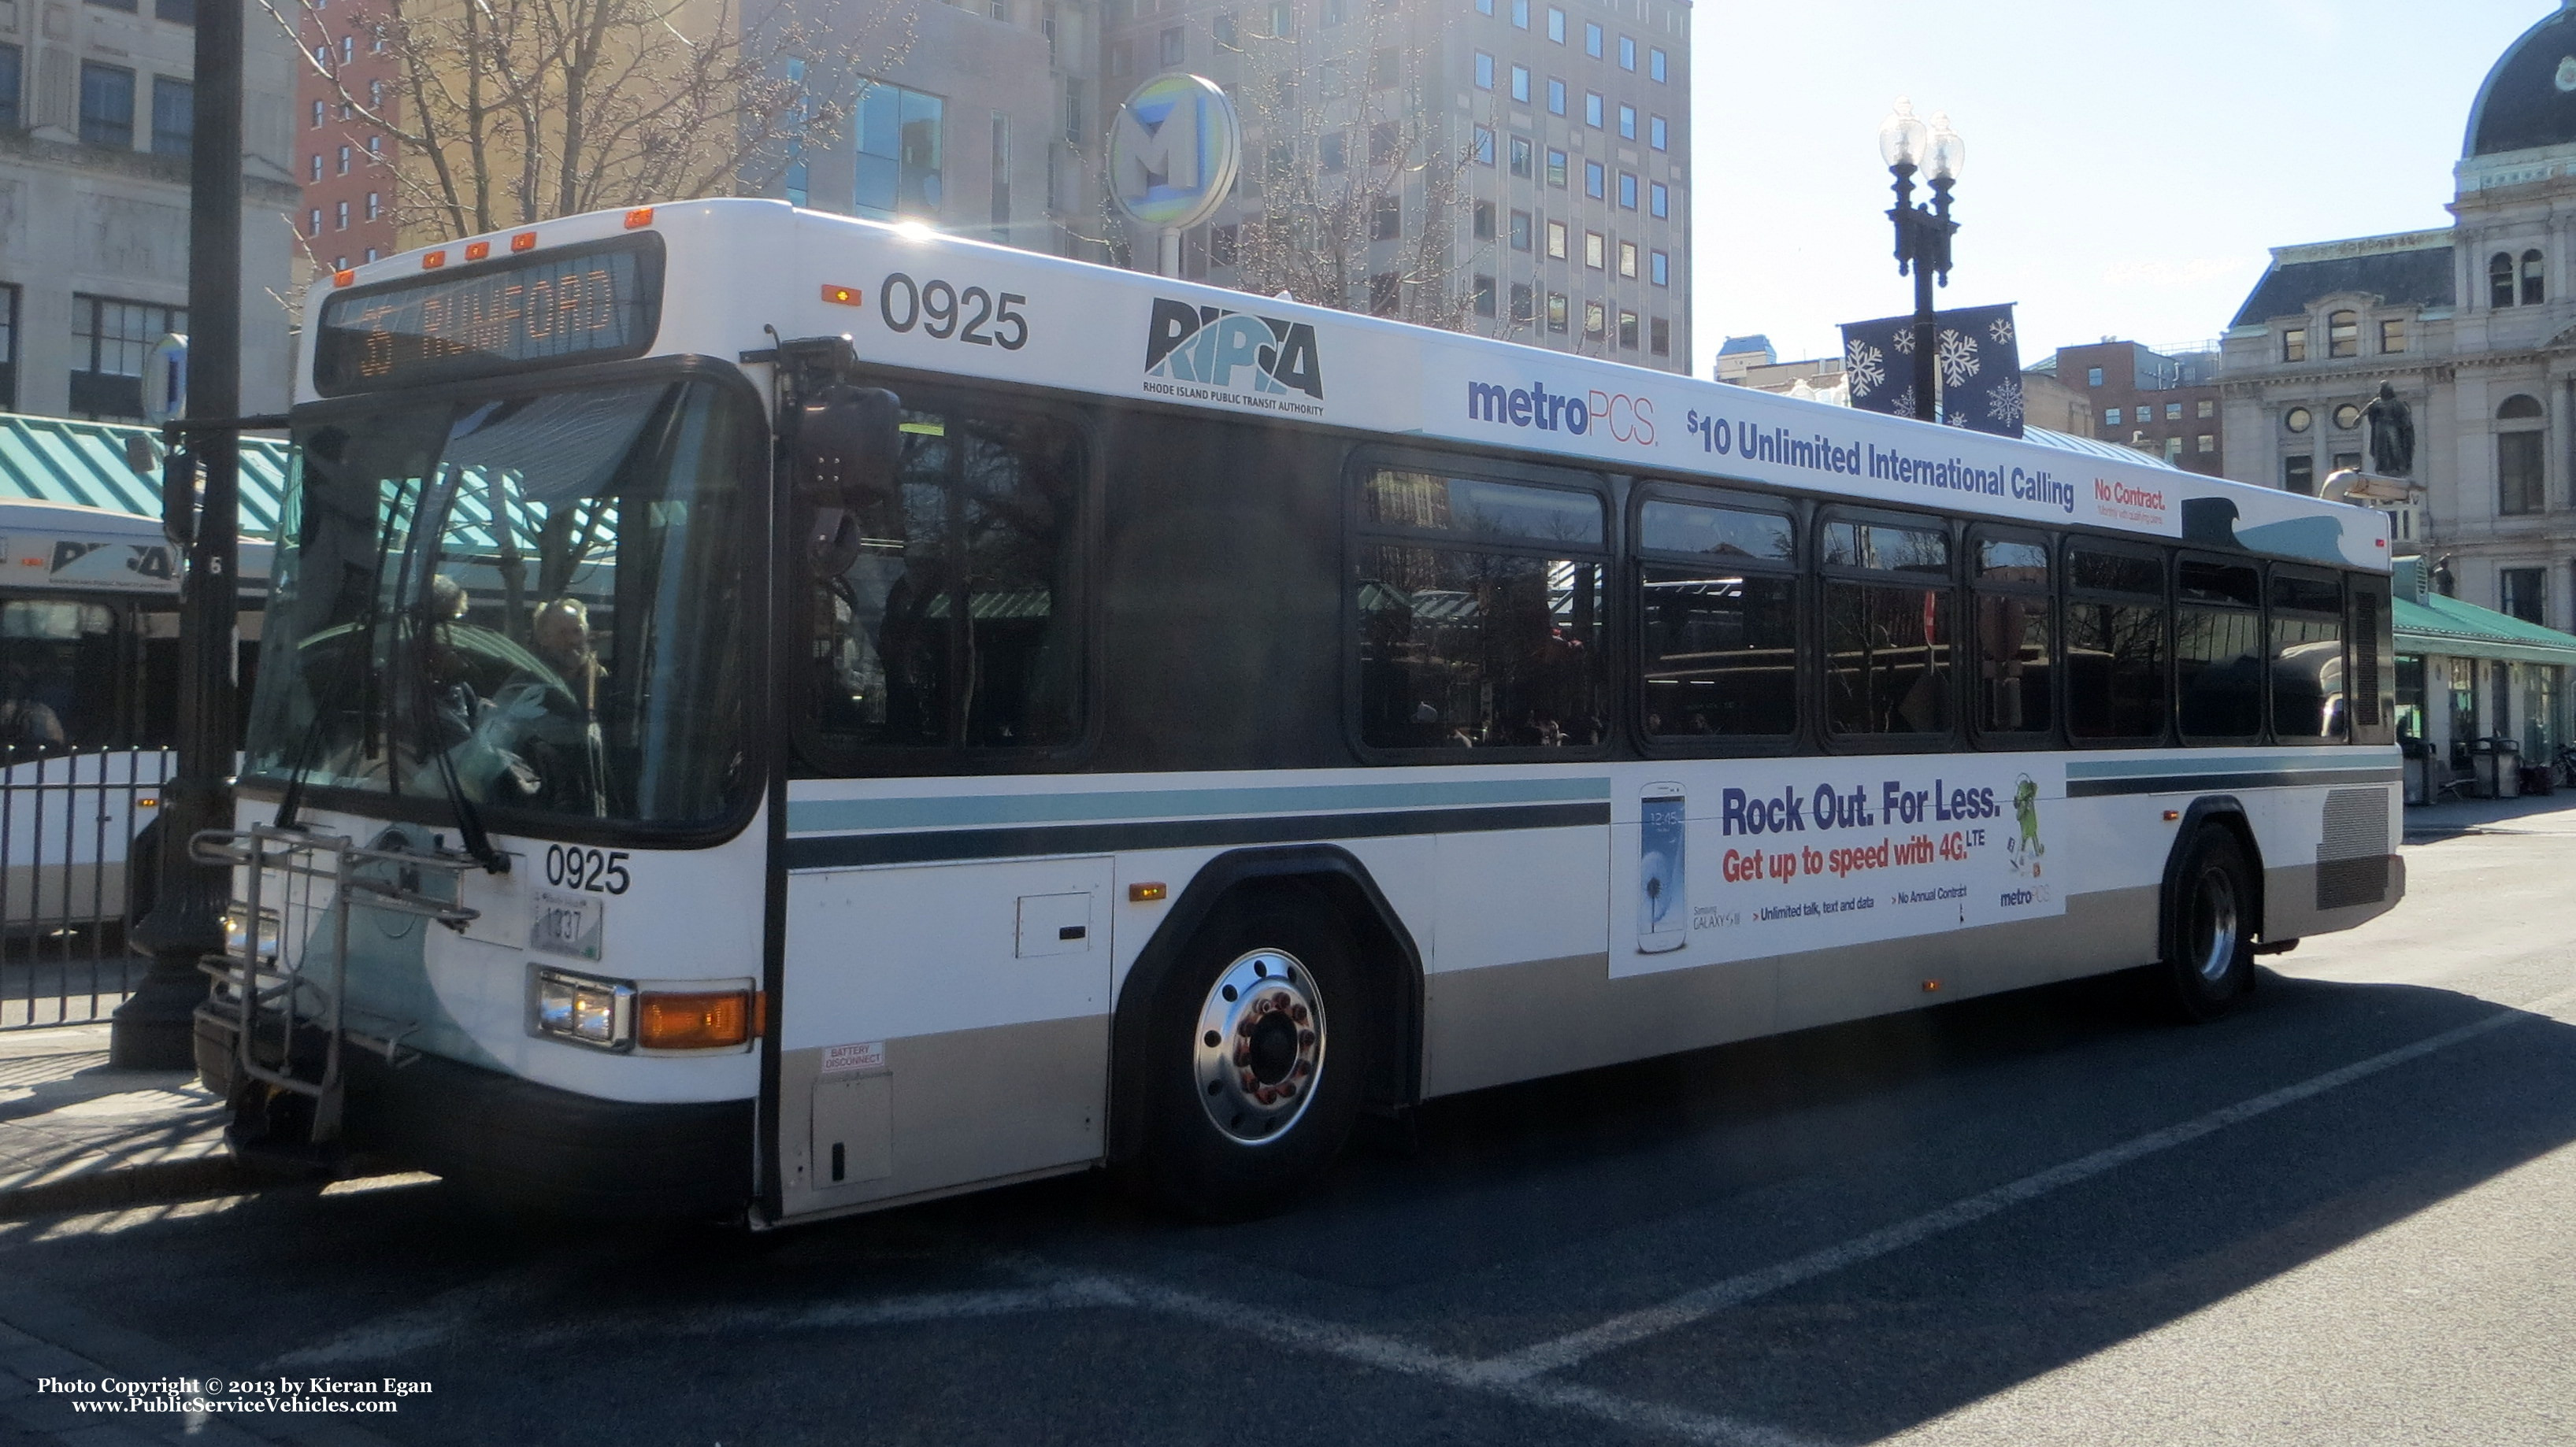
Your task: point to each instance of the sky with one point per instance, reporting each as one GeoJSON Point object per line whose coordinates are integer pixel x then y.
{"type": "Point", "coordinates": [2128, 168]}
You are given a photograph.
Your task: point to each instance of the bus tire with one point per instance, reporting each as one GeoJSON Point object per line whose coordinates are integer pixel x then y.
{"type": "Point", "coordinates": [1259, 1059]}
{"type": "Point", "coordinates": [2209, 963]}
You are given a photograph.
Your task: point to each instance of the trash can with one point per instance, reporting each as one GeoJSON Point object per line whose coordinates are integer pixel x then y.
{"type": "Point", "coordinates": [2419, 769]}
{"type": "Point", "coordinates": [2498, 765]}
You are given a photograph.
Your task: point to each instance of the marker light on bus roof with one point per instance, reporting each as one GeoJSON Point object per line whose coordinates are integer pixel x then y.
{"type": "Point", "coordinates": [842, 296]}
{"type": "Point", "coordinates": [433, 261]}
{"type": "Point", "coordinates": [477, 250]}
{"type": "Point", "coordinates": [524, 241]}
{"type": "Point", "coordinates": [641, 216]}
{"type": "Point", "coordinates": [343, 277]}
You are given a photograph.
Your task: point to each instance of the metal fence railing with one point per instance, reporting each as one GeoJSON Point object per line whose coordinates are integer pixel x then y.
{"type": "Point", "coordinates": [67, 827]}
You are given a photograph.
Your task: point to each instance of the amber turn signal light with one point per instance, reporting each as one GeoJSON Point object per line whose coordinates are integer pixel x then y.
{"type": "Point", "coordinates": [524, 241]}
{"type": "Point", "coordinates": [711, 1020]}
{"type": "Point", "coordinates": [433, 261]}
{"type": "Point", "coordinates": [343, 277]}
{"type": "Point", "coordinates": [641, 216]}
{"type": "Point", "coordinates": [1144, 893]}
{"type": "Point", "coordinates": [477, 250]}
{"type": "Point", "coordinates": [842, 296]}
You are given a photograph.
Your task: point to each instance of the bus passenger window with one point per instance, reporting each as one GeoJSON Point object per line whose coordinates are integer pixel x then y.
{"type": "Point", "coordinates": [1496, 645]}
{"type": "Point", "coordinates": [2015, 662]}
{"type": "Point", "coordinates": [2309, 704]}
{"type": "Point", "coordinates": [58, 673]}
{"type": "Point", "coordinates": [1887, 629]}
{"type": "Point", "coordinates": [954, 628]}
{"type": "Point", "coordinates": [2218, 651]}
{"type": "Point", "coordinates": [2115, 645]}
{"type": "Point", "coordinates": [1720, 630]}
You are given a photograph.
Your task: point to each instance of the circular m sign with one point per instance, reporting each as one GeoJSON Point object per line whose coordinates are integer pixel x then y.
{"type": "Point", "coordinates": [1173, 150]}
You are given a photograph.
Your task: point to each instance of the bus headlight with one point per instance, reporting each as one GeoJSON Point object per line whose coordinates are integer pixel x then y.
{"type": "Point", "coordinates": [583, 1010]}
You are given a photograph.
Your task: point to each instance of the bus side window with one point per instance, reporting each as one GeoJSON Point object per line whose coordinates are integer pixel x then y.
{"type": "Point", "coordinates": [2309, 701]}
{"type": "Point", "coordinates": [955, 627]}
{"type": "Point", "coordinates": [2115, 645]}
{"type": "Point", "coordinates": [2218, 651]}
{"type": "Point", "coordinates": [1717, 615]}
{"type": "Point", "coordinates": [58, 674]}
{"type": "Point", "coordinates": [2015, 674]}
{"type": "Point", "coordinates": [1479, 607]}
{"type": "Point", "coordinates": [1888, 629]}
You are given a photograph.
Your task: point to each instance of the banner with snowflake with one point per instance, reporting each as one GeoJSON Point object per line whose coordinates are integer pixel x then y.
{"type": "Point", "coordinates": [1976, 367]}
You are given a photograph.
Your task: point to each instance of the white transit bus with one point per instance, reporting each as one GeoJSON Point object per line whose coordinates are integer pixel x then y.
{"type": "Point", "coordinates": [89, 655]}
{"type": "Point", "coordinates": [768, 715]}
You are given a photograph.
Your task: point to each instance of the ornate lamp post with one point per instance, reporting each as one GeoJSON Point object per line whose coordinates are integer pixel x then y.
{"type": "Point", "coordinates": [1922, 232]}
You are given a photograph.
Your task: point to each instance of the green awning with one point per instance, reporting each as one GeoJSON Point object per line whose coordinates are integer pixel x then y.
{"type": "Point", "coordinates": [2453, 629]}
{"type": "Point", "coordinates": [55, 459]}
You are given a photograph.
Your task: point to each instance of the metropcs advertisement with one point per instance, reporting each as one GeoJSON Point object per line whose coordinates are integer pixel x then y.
{"type": "Point", "coordinates": [1807, 854]}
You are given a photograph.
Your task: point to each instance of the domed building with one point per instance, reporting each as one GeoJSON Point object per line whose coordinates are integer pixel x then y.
{"type": "Point", "coordinates": [2474, 327]}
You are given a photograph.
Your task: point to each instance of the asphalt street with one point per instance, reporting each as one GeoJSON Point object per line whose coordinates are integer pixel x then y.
{"type": "Point", "coordinates": [2342, 1216]}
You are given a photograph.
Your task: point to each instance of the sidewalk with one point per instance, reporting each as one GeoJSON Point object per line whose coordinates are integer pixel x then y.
{"type": "Point", "coordinates": [2531, 814]}
{"type": "Point", "coordinates": [78, 1135]}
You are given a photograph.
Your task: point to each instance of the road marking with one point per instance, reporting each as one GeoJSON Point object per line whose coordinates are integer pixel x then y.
{"type": "Point", "coordinates": [447, 1313]}
{"type": "Point", "coordinates": [1694, 1306]}
{"type": "Point", "coordinates": [881, 1311]}
{"type": "Point", "coordinates": [1389, 1354]}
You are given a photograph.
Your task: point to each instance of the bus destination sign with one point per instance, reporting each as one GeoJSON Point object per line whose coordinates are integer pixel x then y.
{"type": "Point", "coordinates": [595, 303]}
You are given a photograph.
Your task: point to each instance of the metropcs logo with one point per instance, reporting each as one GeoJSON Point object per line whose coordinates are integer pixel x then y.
{"type": "Point", "coordinates": [1206, 353]}
{"type": "Point", "coordinates": [1617, 415]}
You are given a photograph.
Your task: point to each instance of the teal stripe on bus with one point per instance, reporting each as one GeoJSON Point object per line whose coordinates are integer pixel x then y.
{"type": "Point", "coordinates": [810, 816]}
{"type": "Point", "coordinates": [2192, 761]}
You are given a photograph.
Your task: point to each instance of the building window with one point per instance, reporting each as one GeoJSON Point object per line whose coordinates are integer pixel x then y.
{"type": "Point", "coordinates": [2518, 456]}
{"type": "Point", "coordinates": [344, 160]}
{"type": "Point", "coordinates": [2519, 593]}
{"type": "Point", "coordinates": [1628, 190]}
{"type": "Point", "coordinates": [2298, 419]}
{"type": "Point", "coordinates": [1628, 259]}
{"type": "Point", "coordinates": [2343, 334]}
{"type": "Point", "coordinates": [1655, 132]}
{"type": "Point", "coordinates": [1520, 84]}
{"type": "Point", "coordinates": [1659, 337]}
{"type": "Point", "coordinates": [1330, 151]}
{"type": "Point", "coordinates": [1174, 50]}
{"type": "Point", "coordinates": [174, 116]}
{"type": "Point", "coordinates": [2111, 417]}
{"type": "Point", "coordinates": [1520, 14]}
{"type": "Point", "coordinates": [2532, 290]}
{"type": "Point", "coordinates": [348, 49]}
{"type": "Point", "coordinates": [1655, 64]}
{"type": "Point", "coordinates": [1484, 145]}
{"type": "Point", "coordinates": [1595, 181]}
{"type": "Point", "coordinates": [1484, 294]}
{"type": "Point", "coordinates": [1659, 268]}
{"type": "Point", "coordinates": [1483, 222]}
{"type": "Point", "coordinates": [1596, 319]}
{"type": "Point", "coordinates": [1555, 96]}
{"type": "Point", "coordinates": [1659, 201]}
{"type": "Point", "coordinates": [1627, 52]}
{"type": "Point", "coordinates": [1524, 303]}
{"type": "Point", "coordinates": [107, 105]}
{"type": "Point", "coordinates": [1627, 123]}
{"type": "Point", "coordinates": [2207, 408]}
{"type": "Point", "coordinates": [1592, 109]}
{"type": "Point", "coordinates": [1520, 231]}
{"type": "Point", "coordinates": [8, 348]}
{"type": "Point", "coordinates": [317, 115]}
{"type": "Point", "coordinates": [180, 12]}
{"type": "Point", "coordinates": [2299, 475]}
{"type": "Point", "coordinates": [1556, 312]}
{"type": "Point", "coordinates": [343, 216]}
{"type": "Point", "coordinates": [111, 340]}
{"type": "Point", "coordinates": [1386, 219]}
{"type": "Point", "coordinates": [1556, 240]}
{"type": "Point", "coordinates": [2392, 334]}
{"type": "Point", "coordinates": [2347, 417]}
{"type": "Point", "coordinates": [1592, 250]}
{"type": "Point", "coordinates": [1385, 145]}
{"type": "Point", "coordinates": [2093, 377]}
{"type": "Point", "coordinates": [1484, 7]}
{"type": "Point", "coordinates": [900, 152]}
{"type": "Point", "coordinates": [317, 165]}
{"type": "Point", "coordinates": [313, 222]}
{"type": "Point", "coordinates": [1222, 28]}
{"type": "Point", "coordinates": [2207, 444]}
{"type": "Point", "coordinates": [1484, 71]}
{"type": "Point", "coordinates": [1556, 25]}
{"type": "Point", "coordinates": [1628, 330]}
{"type": "Point", "coordinates": [2294, 344]}
{"type": "Point", "coordinates": [1521, 163]}
{"type": "Point", "coordinates": [2173, 449]}
{"type": "Point", "coordinates": [1592, 40]}
{"type": "Point", "coordinates": [371, 254]}
{"type": "Point", "coordinates": [1556, 168]}
{"type": "Point", "coordinates": [374, 207]}
{"type": "Point", "coordinates": [2345, 462]}
{"type": "Point", "coordinates": [2500, 280]}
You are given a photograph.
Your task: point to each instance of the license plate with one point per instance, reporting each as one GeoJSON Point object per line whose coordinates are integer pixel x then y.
{"type": "Point", "coordinates": [568, 924]}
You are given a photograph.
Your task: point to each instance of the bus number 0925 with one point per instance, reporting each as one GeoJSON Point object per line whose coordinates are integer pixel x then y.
{"type": "Point", "coordinates": [569, 866]}
{"type": "Point", "coordinates": [973, 316]}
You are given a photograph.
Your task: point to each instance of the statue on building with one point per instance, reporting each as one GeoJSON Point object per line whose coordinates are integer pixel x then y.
{"type": "Point", "coordinates": [2392, 434]}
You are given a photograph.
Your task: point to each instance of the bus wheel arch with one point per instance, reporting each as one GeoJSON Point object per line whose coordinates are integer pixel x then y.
{"type": "Point", "coordinates": [2215, 867]}
{"type": "Point", "coordinates": [1322, 882]}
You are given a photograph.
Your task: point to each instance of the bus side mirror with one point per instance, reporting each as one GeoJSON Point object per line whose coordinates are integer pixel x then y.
{"type": "Point", "coordinates": [848, 448]}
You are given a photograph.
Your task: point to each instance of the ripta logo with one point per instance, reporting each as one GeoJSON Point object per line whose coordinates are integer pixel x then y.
{"type": "Point", "coordinates": [1232, 350]}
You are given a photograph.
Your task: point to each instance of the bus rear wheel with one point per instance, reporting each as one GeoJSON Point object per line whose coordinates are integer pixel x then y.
{"type": "Point", "coordinates": [2210, 961]}
{"type": "Point", "coordinates": [1260, 1051]}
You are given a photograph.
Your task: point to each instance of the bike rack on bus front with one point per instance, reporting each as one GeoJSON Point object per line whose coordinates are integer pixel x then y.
{"type": "Point", "coordinates": [267, 978]}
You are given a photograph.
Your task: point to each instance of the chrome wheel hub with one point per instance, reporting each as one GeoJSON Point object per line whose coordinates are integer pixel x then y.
{"type": "Point", "coordinates": [1259, 1048]}
{"type": "Point", "coordinates": [2213, 925]}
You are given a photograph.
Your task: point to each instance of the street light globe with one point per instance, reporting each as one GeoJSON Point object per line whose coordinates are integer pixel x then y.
{"type": "Point", "coordinates": [1901, 135]}
{"type": "Point", "coordinates": [1948, 154]}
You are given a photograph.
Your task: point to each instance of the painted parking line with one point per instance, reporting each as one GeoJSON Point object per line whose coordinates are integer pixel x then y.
{"type": "Point", "coordinates": [1698, 1305]}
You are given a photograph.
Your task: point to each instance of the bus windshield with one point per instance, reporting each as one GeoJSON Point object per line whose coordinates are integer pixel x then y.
{"type": "Point", "coordinates": [544, 598]}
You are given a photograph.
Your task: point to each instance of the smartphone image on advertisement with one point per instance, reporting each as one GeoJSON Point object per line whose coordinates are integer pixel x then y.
{"type": "Point", "coordinates": [1663, 893]}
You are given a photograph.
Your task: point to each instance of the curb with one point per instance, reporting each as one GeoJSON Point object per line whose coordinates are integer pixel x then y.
{"type": "Point", "coordinates": [162, 1183]}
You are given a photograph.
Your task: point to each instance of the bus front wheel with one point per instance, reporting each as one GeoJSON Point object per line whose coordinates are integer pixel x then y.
{"type": "Point", "coordinates": [1260, 1053]}
{"type": "Point", "coordinates": [2210, 960]}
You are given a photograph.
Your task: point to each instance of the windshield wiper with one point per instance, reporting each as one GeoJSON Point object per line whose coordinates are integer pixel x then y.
{"type": "Point", "coordinates": [361, 677]}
